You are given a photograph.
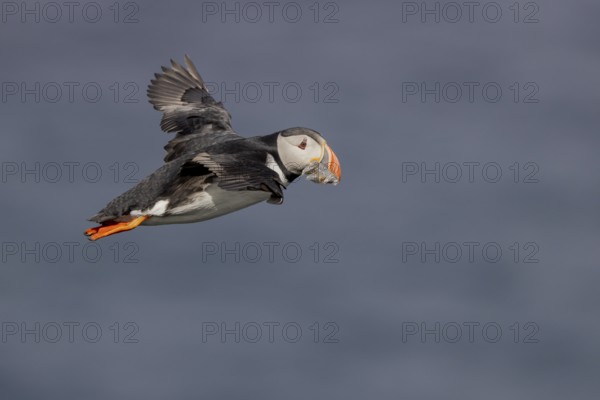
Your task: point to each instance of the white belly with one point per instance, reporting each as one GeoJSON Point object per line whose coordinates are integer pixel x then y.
{"type": "Point", "coordinates": [208, 204]}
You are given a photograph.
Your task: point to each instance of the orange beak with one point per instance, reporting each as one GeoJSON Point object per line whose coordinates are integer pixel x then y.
{"type": "Point", "coordinates": [333, 163]}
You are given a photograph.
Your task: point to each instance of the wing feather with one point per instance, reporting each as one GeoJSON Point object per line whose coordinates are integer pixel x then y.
{"type": "Point", "coordinates": [242, 171]}
{"type": "Point", "coordinates": [188, 109]}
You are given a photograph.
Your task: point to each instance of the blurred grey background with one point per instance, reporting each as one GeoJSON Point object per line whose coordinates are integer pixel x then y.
{"type": "Point", "coordinates": [152, 313]}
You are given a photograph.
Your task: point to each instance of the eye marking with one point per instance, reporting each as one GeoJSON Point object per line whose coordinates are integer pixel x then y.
{"type": "Point", "coordinates": [302, 145]}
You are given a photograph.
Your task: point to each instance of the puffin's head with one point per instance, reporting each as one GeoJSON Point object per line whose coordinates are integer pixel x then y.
{"type": "Point", "coordinates": [304, 152]}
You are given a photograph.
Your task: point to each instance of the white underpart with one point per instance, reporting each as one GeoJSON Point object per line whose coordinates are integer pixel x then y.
{"type": "Point", "coordinates": [209, 204]}
{"type": "Point", "coordinates": [272, 164]}
{"type": "Point", "coordinates": [158, 209]}
{"type": "Point", "coordinates": [199, 201]}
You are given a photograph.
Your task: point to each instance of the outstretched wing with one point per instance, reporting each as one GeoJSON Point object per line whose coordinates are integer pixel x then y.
{"type": "Point", "coordinates": [189, 110]}
{"type": "Point", "coordinates": [242, 171]}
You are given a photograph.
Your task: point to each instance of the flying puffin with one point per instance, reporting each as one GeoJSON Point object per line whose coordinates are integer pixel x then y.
{"type": "Point", "coordinates": [209, 169]}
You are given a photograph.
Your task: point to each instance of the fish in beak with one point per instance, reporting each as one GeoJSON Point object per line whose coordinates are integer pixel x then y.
{"type": "Point", "coordinates": [326, 170]}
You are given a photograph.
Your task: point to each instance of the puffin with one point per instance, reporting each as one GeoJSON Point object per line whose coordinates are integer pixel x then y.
{"type": "Point", "coordinates": [210, 170]}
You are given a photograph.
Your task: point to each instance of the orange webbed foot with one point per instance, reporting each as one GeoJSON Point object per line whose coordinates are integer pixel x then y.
{"type": "Point", "coordinates": [111, 228]}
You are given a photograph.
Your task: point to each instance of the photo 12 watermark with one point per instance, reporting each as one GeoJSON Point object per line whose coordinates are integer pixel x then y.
{"type": "Point", "coordinates": [269, 332]}
{"type": "Point", "coordinates": [70, 12]}
{"type": "Point", "coordinates": [489, 92]}
{"type": "Point", "coordinates": [252, 12]}
{"type": "Point", "coordinates": [68, 252]}
{"type": "Point", "coordinates": [270, 252]}
{"type": "Point", "coordinates": [472, 12]}
{"type": "Point", "coordinates": [471, 252]}
{"type": "Point", "coordinates": [28, 172]}
{"type": "Point", "coordinates": [470, 332]}
{"type": "Point", "coordinates": [274, 92]}
{"type": "Point", "coordinates": [428, 172]}
{"type": "Point", "coordinates": [72, 332]}
{"type": "Point", "coordinates": [36, 92]}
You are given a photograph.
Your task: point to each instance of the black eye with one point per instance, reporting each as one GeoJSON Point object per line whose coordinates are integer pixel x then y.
{"type": "Point", "coordinates": [303, 144]}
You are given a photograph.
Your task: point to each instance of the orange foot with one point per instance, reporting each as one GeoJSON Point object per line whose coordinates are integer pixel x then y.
{"type": "Point", "coordinates": [113, 227]}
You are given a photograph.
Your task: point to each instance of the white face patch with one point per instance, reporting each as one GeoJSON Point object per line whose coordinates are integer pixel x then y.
{"type": "Point", "coordinates": [295, 158]}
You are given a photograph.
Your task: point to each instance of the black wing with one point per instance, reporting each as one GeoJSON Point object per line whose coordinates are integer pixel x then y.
{"type": "Point", "coordinates": [241, 171]}
{"type": "Point", "coordinates": [144, 194]}
{"type": "Point", "coordinates": [189, 110]}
